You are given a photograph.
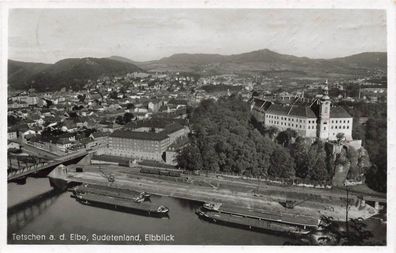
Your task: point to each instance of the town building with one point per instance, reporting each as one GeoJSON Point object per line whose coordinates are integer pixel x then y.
{"type": "Point", "coordinates": [29, 100]}
{"type": "Point", "coordinates": [147, 140]}
{"type": "Point", "coordinates": [12, 133]}
{"type": "Point", "coordinates": [97, 140]}
{"type": "Point", "coordinates": [315, 119]}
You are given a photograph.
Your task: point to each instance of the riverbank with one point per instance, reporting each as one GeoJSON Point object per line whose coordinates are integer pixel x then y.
{"type": "Point", "coordinates": [247, 195]}
{"type": "Point", "coordinates": [64, 215]}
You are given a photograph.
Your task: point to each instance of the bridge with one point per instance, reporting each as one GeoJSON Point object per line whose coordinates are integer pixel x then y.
{"type": "Point", "coordinates": [20, 215]}
{"type": "Point", "coordinates": [44, 168]}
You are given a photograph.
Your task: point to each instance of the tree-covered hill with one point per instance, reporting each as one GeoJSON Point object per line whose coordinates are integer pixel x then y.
{"type": "Point", "coordinates": [225, 140]}
{"type": "Point", "coordinates": [71, 72]}
{"type": "Point", "coordinates": [373, 134]}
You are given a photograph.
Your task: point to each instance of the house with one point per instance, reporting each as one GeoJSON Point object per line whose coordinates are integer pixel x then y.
{"type": "Point", "coordinates": [12, 133]}
{"type": "Point", "coordinates": [98, 140]}
{"type": "Point", "coordinates": [154, 105]}
{"type": "Point", "coordinates": [63, 144]}
{"type": "Point", "coordinates": [13, 145]}
{"type": "Point", "coordinates": [69, 125]}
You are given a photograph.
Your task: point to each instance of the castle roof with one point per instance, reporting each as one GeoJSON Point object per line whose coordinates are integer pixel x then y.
{"type": "Point", "coordinates": [261, 104]}
{"type": "Point", "coordinates": [299, 109]}
{"type": "Point", "coordinates": [292, 110]}
{"type": "Point", "coordinates": [339, 112]}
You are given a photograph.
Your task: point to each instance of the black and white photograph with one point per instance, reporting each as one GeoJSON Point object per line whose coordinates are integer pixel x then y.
{"type": "Point", "coordinates": [197, 126]}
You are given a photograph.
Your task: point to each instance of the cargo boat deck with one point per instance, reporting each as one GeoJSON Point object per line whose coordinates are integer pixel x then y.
{"type": "Point", "coordinates": [280, 217]}
{"type": "Point", "coordinates": [254, 224]}
{"type": "Point", "coordinates": [106, 191]}
{"type": "Point", "coordinates": [119, 204]}
{"type": "Point", "coordinates": [266, 221]}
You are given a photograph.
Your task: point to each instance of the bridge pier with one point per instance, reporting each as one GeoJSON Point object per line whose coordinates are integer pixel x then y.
{"type": "Point", "coordinates": [57, 178]}
{"type": "Point", "coordinates": [377, 206]}
{"type": "Point", "coordinates": [21, 181]}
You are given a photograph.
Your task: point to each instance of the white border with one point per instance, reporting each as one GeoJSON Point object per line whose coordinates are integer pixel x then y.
{"type": "Point", "coordinates": [388, 5]}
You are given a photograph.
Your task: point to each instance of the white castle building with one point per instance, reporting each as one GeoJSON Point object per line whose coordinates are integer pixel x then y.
{"type": "Point", "coordinates": [318, 118]}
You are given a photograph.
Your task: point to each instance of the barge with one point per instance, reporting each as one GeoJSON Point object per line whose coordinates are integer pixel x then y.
{"type": "Point", "coordinates": [112, 192]}
{"type": "Point", "coordinates": [123, 205]}
{"type": "Point", "coordinates": [258, 221]}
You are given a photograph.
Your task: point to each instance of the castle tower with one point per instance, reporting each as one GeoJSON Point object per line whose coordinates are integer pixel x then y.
{"type": "Point", "coordinates": [324, 114]}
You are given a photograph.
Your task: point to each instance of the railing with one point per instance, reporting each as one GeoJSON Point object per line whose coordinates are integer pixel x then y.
{"type": "Point", "coordinates": [38, 167]}
{"type": "Point", "coordinates": [281, 181]}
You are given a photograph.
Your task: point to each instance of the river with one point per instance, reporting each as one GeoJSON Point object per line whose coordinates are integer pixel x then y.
{"type": "Point", "coordinates": [35, 210]}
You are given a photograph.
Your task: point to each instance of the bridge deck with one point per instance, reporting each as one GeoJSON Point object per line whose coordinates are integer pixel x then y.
{"type": "Point", "coordinates": [42, 166]}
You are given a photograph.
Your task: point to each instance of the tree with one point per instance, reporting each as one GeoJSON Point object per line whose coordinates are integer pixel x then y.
{"type": "Point", "coordinates": [319, 172]}
{"type": "Point", "coordinates": [211, 161]}
{"type": "Point", "coordinates": [299, 151]}
{"type": "Point", "coordinates": [255, 94]}
{"type": "Point", "coordinates": [272, 132]}
{"type": "Point", "coordinates": [119, 120]}
{"type": "Point", "coordinates": [281, 163]}
{"type": "Point", "coordinates": [73, 114]}
{"type": "Point", "coordinates": [113, 94]}
{"type": "Point", "coordinates": [376, 141]}
{"type": "Point", "coordinates": [77, 107]}
{"type": "Point", "coordinates": [12, 120]}
{"type": "Point", "coordinates": [130, 106]}
{"type": "Point", "coordinates": [356, 234]}
{"type": "Point", "coordinates": [358, 132]}
{"type": "Point", "coordinates": [284, 138]}
{"type": "Point", "coordinates": [127, 117]}
{"type": "Point", "coordinates": [353, 157]}
{"type": "Point", "coordinates": [340, 137]}
{"type": "Point", "coordinates": [317, 168]}
{"type": "Point", "coordinates": [190, 158]}
{"type": "Point", "coordinates": [81, 97]}
{"type": "Point", "coordinates": [227, 139]}
{"type": "Point", "coordinates": [375, 178]}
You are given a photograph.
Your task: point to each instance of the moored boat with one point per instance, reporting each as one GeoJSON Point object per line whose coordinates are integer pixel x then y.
{"type": "Point", "coordinates": [112, 192]}
{"type": "Point", "coordinates": [291, 218]}
{"type": "Point", "coordinates": [250, 223]}
{"type": "Point", "coordinates": [120, 204]}
{"type": "Point", "coordinates": [212, 206]}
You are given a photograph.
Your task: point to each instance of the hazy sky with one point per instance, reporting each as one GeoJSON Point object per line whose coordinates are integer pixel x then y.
{"type": "Point", "coordinates": [48, 35]}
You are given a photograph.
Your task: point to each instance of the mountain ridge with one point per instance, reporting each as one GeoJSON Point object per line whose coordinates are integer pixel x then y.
{"type": "Point", "coordinates": [63, 73]}
{"type": "Point", "coordinates": [73, 71]}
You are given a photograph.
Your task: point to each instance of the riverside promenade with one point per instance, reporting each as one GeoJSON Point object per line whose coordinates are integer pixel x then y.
{"type": "Point", "coordinates": [312, 203]}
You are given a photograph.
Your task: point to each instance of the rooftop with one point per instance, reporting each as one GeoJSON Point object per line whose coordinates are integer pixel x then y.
{"type": "Point", "coordinates": [292, 110]}
{"type": "Point", "coordinates": [299, 109]}
{"type": "Point", "coordinates": [139, 135]}
{"type": "Point", "coordinates": [339, 112]}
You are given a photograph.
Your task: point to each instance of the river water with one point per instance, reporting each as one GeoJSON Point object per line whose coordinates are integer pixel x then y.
{"type": "Point", "coordinates": [36, 210]}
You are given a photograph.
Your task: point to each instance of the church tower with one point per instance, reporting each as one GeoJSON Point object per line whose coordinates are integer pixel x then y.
{"type": "Point", "coordinates": [324, 114]}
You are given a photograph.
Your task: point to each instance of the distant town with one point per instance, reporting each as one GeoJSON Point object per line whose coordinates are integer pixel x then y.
{"type": "Point", "coordinates": [155, 106]}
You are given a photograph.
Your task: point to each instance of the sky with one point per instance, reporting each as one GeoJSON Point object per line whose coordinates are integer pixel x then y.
{"type": "Point", "coordinates": [49, 35]}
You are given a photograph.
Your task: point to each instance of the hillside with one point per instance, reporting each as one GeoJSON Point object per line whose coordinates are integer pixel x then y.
{"type": "Point", "coordinates": [65, 73]}
{"type": "Point", "coordinates": [18, 72]}
{"type": "Point", "coordinates": [121, 59]}
{"type": "Point", "coordinates": [267, 60]}
{"type": "Point", "coordinates": [73, 72]}
{"type": "Point", "coordinates": [367, 60]}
